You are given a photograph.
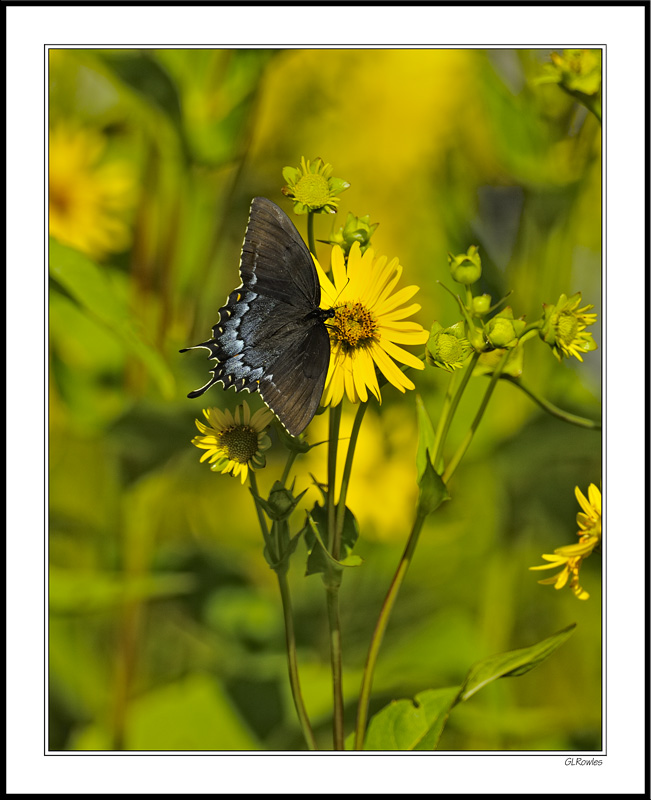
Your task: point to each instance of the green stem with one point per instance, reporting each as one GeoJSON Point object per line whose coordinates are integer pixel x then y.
{"type": "Point", "coordinates": [332, 598]}
{"type": "Point", "coordinates": [292, 662]}
{"type": "Point", "coordinates": [268, 539]}
{"type": "Point", "coordinates": [332, 581]}
{"type": "Point", "coordinates": [290, 637]}
{"type": "Point", "coordinates": [465, 444]}
{"type": "Point", "coordinates": [310, 233]}
{"type": "Point", "coordinates": [345, 480]}
{"type": "Point", "coordinates": [380, 628]}
{"type": "Point", "coordinates": [452, 385]}
{"type": "Point", "coordinates": [333, 444]}
{"type": "Point", "coordinates": [453, 407]}
{"type": "Point", "coordinates": [288, 465]}
{"type": "Point", "coordinates": [550, 408]}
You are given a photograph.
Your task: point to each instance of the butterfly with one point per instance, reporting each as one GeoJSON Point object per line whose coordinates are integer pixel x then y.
{"type": "Point", "coordinates": [271, 336]}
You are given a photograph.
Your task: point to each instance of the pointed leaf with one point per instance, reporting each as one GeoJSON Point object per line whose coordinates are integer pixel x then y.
{"type": "Point", "coordinates": [512, 663]}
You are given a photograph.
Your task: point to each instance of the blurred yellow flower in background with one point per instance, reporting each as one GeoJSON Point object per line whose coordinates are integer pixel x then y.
{"type": "Point", "coordinates": [367, 326]}
{"type": "Point", "coordinates": [89, 200]}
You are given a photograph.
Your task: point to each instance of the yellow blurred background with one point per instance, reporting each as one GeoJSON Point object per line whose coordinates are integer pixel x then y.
{"type": "Point", "coordinates": [165, 629]}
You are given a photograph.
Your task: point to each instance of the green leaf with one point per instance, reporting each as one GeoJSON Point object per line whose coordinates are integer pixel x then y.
{"type": "Point", "coordinates": [406, 724]}
{"type": "Point", "coordinates": [437, 704]}
{"type": "Point", "coordinates": [426, 437]}
{"type": "Point", "coordinates": [512, 663]}
{"type": "Point", "coordinates": [418, 724]}
{"type": "Point", "coordinates": [88, 284]}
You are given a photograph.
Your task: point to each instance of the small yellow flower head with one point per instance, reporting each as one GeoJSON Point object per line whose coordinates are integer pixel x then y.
{"type": "Point", "coordinates": [236, 442]}
{"type": "Point", "coordinates": [368, 325]}
{"type": "Point", "coordinates": [89, 200]}
{"type": "Point", "coordinates": [502, 330]}
{"type": "Point", "coordinates": [564, 327]}
{"type": "Point", "coordinates": [356, 229]}
{"type": "Point", "coordinates": [447, 348]}
{"type": "Point", "coordinates": [466, 267]}
{"type": "Point", "coordinates": [571, 556]}
{"type": "Point", "coordinates": [576, 70]}
{"type": "Point", "coordinates": [312, 188]}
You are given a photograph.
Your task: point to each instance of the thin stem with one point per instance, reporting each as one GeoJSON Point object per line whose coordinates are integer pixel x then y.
{"type": "Point", "coordinates": [452, 385]}
{"type": "Point", "coordinates": [292, 662]}
{"type": "Point", "coordinates": [465, 444]}
{"type": "Point", "coordinates": [333, 444]}
{"type": "Point", "coordinates": [345, 480]}
{"type": "Point", "coordinates": [332, 581]}
{"type": "Point", "coordinates": [310, 233]}
{"type": "Point", "coordinates": [290, 638]}
{"type": "Point", "coordinates": [453, 407]}
{"type": "Point", "coordinates": [332, 598]}
{"type": "Point", "coordinates": [550, 408]}
{"type": "Point", "coordinates": [288, 465]}
{"type": "Point", "coordinates": [380, 628]}
{"type": "Point", "coordinates": [268, 540]}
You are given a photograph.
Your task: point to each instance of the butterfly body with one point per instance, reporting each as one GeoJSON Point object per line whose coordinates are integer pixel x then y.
{"type": "Point", "coordinates": [271, 336]}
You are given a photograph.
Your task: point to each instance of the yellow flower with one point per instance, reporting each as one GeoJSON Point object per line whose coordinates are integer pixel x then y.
{"type": "Point", "coordinates": [234, 443]}
{"type": "Point", "coordinates": [368, 325]}
{"type": "Point", "coordinates": [564, 327]}
{"type": "Point", "coordinates": [571, 556]}
{"type": "Point", "coordinates": [88, 199]}
{"type": "Point", "coordinates": [312, 188]}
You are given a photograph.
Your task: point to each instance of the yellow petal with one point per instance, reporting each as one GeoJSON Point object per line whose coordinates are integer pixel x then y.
{"type": "Point", "coordinates": [403, 356]}
{"type": "Point", "coordinates": [390, 370]}
{"type": "Point", "coordinates": [396, 300]}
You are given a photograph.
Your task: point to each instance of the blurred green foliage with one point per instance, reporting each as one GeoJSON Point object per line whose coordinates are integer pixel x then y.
{"type": "Point", "coordinates": [165, 627]}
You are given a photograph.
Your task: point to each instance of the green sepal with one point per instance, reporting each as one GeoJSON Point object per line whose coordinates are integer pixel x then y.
{"type": "Point", "coordinates": [432, 490]}
{"type": "Point", "coordinates": [338, 185]}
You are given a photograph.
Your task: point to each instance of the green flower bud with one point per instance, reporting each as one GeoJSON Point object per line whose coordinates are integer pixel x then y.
{"type": "Point", "coordinates": [466, 267]}
{"type": "Point", "coordinates": [502, 330]}
{"type": "Point", "coordinates": [281, 502]}
{"type": "Point", "coordinates": [447, 348]}
{"type": "Point", "coordinates": [356, 229]}
{"type": "Point", "coordinates": [481, 304]}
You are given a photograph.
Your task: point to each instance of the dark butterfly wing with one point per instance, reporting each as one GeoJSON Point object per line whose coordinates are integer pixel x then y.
{"type": "Point", "coordinates": [275, 260]}
{"type": "Point", "coordinates": [294, 384]}
{"type": "Point", "coordinates": [270, 336]}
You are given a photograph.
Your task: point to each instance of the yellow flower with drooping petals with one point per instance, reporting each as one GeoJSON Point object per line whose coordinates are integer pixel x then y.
{"type": "Point", "coordinates": [236, 442]}
{"type": "Point", "coordinates": [571, 556]}
{"type": "Point", "coordinates": [368, 325]}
